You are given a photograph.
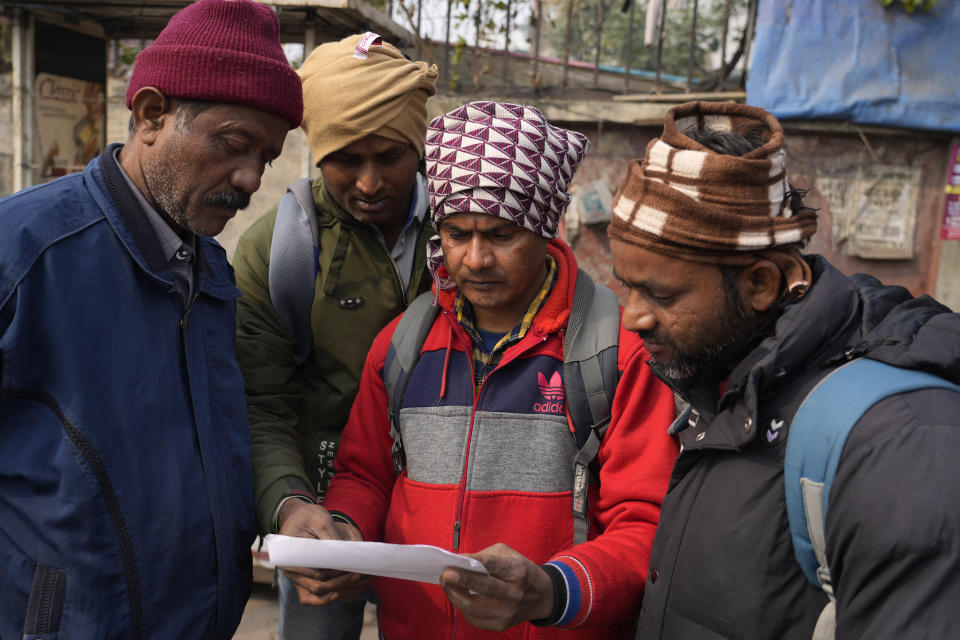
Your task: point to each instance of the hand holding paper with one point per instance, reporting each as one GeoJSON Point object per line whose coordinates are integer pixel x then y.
{"type": "Point", "coordinates": [314, 586]}
{"type": "Point", "coordinates": [515, 590]}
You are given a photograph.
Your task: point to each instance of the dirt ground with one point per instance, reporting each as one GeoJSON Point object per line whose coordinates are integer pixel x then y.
{"type": "Point", "coordinates": [260, 617]}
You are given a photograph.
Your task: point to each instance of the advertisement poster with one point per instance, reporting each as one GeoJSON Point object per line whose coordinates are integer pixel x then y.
{"type": "Point", "coordinates": [874, 210]}
{"type": "Point", "coordinates": [70, 118]}
{"type": "Point", "coordinates": [951, 208]}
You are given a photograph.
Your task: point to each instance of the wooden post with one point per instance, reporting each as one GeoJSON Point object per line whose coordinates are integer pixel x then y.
{"type": "Point", "coordinates": [536, 42]}
{"type": "Point", "coordinates": [446, 46]}
{"type": "Point", "coordinates": [566, 54]}
{"type": "Point", "coordinates": [506, 46]}
{"type": "Point", "coordinates": [663, 25]}
{"type": "Point", "coordinates": [599, 30]}
{"type": "Point", "coordinates": [626, 75]}
{"type": "Point", "coordinates": [24, 173]}
{"type": "Point", "coordinates": [693, 47]}
{"type": "Point", "coordinates": [309, 42]}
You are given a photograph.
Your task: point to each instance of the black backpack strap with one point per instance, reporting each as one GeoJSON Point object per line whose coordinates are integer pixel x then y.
{"type": "Point", "coordinates": [405, 345]}
{"type": "Point", "coordinates": [590, 380]}
{"type": "Point", "coordinates": [293, 264]}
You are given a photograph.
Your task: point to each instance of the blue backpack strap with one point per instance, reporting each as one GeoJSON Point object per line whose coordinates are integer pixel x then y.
{"type": "Point", "coordinates": [590, 380]}
{"type": "Point", "coordinates": [815, 442]}
{"type": "Point", "coordinates": [402, 355]}
{"type": "Point", "coordinates": [294, 252]}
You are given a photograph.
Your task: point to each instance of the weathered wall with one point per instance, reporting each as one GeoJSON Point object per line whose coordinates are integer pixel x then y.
{"type": "Point", "coordinates": [811, 157]}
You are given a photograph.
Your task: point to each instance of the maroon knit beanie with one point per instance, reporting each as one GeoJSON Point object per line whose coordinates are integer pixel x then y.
{"type": "Point", "coordinates": [222, 51]}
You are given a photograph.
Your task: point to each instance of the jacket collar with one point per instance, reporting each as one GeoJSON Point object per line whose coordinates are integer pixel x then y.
{"type": "Point", "coordinates": [132, 227]}
{"type": "Point", "coordinates": [840, 318]}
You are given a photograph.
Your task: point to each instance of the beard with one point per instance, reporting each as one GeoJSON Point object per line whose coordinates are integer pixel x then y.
{"type": "Point", "coordinates": [165, 179]}
{"type": "Point", "coordinates": [718, 345]}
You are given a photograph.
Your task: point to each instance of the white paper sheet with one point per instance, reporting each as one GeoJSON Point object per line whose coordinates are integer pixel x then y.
{"type": "Point", "coordinates": [419, 562]}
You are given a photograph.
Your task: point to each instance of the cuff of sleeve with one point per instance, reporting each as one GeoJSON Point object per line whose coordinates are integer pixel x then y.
{"type": "Point", "coordinates": [577, 599]}
{"type": "Point", "coordinates": [339, 516]}
{"type": "Point", "coordinates": [559, 597]}
{"type": "Point", "coordinates": [275, 519]}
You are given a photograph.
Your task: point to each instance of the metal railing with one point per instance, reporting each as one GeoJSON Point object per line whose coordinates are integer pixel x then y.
{"type": "Point", "coordinates": [689, 45]}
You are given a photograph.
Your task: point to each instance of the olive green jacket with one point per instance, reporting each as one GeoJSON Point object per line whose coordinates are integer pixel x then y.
{"type": "Point", "coordinates": [298, 413]}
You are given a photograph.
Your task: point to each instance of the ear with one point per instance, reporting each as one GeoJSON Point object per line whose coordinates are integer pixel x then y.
{"type": "Point", "coordinates": [760, 285]}
{"type": "Point", "coordinates": [151, 111]}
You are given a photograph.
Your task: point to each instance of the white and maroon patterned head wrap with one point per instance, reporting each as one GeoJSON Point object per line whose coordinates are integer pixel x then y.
{"type": "Point", "coordinates": [500, 159]}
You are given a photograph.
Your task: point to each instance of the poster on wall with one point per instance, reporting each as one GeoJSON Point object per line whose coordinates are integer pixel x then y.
{"type": "Point", "coordinates": [951, 207]}
{"type": "Point", "coordinates": [70, 120]}
{"type": "Point", "coordinates": [874, 210]}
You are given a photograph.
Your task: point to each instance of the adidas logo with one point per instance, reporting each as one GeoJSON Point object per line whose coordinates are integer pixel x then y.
{"type": "Point", "coordinates": [552, 392]}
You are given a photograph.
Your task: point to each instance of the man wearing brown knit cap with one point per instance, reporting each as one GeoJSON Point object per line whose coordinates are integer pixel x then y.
{"type": "Point", "coordinates": [125, 489]}
{"type": "Point", "coordinates": [706, 237]}
{"type": "Point", "coordinates": [339, 258]}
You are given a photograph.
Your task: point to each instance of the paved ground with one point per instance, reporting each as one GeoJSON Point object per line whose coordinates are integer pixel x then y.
{"type": "Point", "coordinates": [260, 617]}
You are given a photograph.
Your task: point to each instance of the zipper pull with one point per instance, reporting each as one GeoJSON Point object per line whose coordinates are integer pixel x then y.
{"type": "Point", "coordinates": [456, 535]}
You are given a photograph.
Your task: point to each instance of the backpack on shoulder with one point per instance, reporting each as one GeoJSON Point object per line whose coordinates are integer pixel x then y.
{"type": "Point", "coordinates": [815, 442]}
{"type": "Point", "coordinates": [589, 376]}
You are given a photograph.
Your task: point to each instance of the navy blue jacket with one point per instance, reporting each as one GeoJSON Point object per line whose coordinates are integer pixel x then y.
{"type": "Point", "coordinates": [125, 489]}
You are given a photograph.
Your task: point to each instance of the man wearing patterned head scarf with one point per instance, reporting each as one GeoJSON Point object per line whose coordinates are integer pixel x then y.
{"type": "Point", "coordinates": [484, 440]}
{"type": "Point", "coordinates": [321, 275]}
{"type": "Point", "coordinates": [707, 236]}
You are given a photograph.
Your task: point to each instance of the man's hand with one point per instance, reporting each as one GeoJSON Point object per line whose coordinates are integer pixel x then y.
{"type": "Point", "coordinates": [302, 519]}
{"type": "Point", "coordinates": [515, 591]}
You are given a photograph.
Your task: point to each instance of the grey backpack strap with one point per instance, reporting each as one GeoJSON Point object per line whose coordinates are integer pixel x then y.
{"type": "Point", "coordinates": [405, 345]}
{"type": "Point", "coordinates": [590, 380]}
{"type": "Point", "coordinates": [293, 264]}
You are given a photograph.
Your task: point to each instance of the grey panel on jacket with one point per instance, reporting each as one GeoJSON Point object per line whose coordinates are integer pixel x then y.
{"type": "Point", "coordinates": [513, 452]}
{"type": "Point", "coordinates": [434, 439]}
{"type": "Point", "coordinates": [504, 444]}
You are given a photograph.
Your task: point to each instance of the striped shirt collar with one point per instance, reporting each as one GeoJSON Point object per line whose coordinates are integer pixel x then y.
{"type": "Point", "coordinates": [485, 362]}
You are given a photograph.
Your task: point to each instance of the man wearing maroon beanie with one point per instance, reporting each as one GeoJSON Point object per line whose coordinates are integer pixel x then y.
{"type": "Point", "coordinates": [125, 487]}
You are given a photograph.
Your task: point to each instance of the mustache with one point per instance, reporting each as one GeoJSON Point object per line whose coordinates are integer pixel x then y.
{"type": "Point", "coordinates": [233, 200]}
{"type": "Point", "coordinates": [657, 338]}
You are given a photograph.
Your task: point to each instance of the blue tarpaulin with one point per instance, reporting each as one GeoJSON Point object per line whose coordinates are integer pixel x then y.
{"type": "Point", "coordinates": [857, 61]}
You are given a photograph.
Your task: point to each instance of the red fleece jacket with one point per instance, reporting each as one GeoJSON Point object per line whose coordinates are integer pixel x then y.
{"type": "Point", "coordinates": [478, 472]}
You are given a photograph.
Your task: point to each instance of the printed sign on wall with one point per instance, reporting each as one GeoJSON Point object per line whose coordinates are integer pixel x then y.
{"type": "Point", "coordinates": [874, 210]}
{"type": "Point", "coordinates": [70, 118]}
{"type": "Point", "coordinates": [951, 208]}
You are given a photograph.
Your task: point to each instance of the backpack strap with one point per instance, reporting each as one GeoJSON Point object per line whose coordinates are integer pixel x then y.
{"type": "Point", "coordinates": [815, 442]}
{"type": "Point", "coordinates": [590, 380]}
{"type": "Point", "coordinates": [294, 252]}
{"type": "Point", "coordinates": [404, 351]}
{"type": "Point", "coordinates": [589, 371]}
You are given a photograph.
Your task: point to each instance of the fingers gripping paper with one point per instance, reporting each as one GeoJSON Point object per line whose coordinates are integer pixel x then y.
{"type": "Point", "coordinates": [419, 562]}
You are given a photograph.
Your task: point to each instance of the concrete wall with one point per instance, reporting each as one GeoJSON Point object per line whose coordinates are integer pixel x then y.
{"type": "Point", "coordinates": [813, 156]}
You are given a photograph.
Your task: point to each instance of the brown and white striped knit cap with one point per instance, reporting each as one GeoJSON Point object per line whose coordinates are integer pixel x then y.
{"type": "Point", "coordinates": [685, 200]}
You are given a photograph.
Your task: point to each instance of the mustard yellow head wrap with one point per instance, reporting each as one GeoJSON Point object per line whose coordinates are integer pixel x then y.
{"type": "Point", "coordinates": [361, 86]}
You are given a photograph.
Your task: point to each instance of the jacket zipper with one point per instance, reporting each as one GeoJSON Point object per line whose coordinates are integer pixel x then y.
{"type": "Point", "coordinates": [185, 319]}
{"type": "Point", "coordinates": [115, 511]}
{"type": "Point", "coordinates": [462, 491]}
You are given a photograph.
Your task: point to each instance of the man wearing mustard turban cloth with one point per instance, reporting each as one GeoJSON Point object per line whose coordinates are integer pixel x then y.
{"type": "Point", "coordinates": [321, 275]}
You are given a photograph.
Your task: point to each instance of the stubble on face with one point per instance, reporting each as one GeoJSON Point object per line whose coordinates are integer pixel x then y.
{"type": "Point", "coordinates": [168, 175]}
{"type": "Point", "coordinates": [720, 342]}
